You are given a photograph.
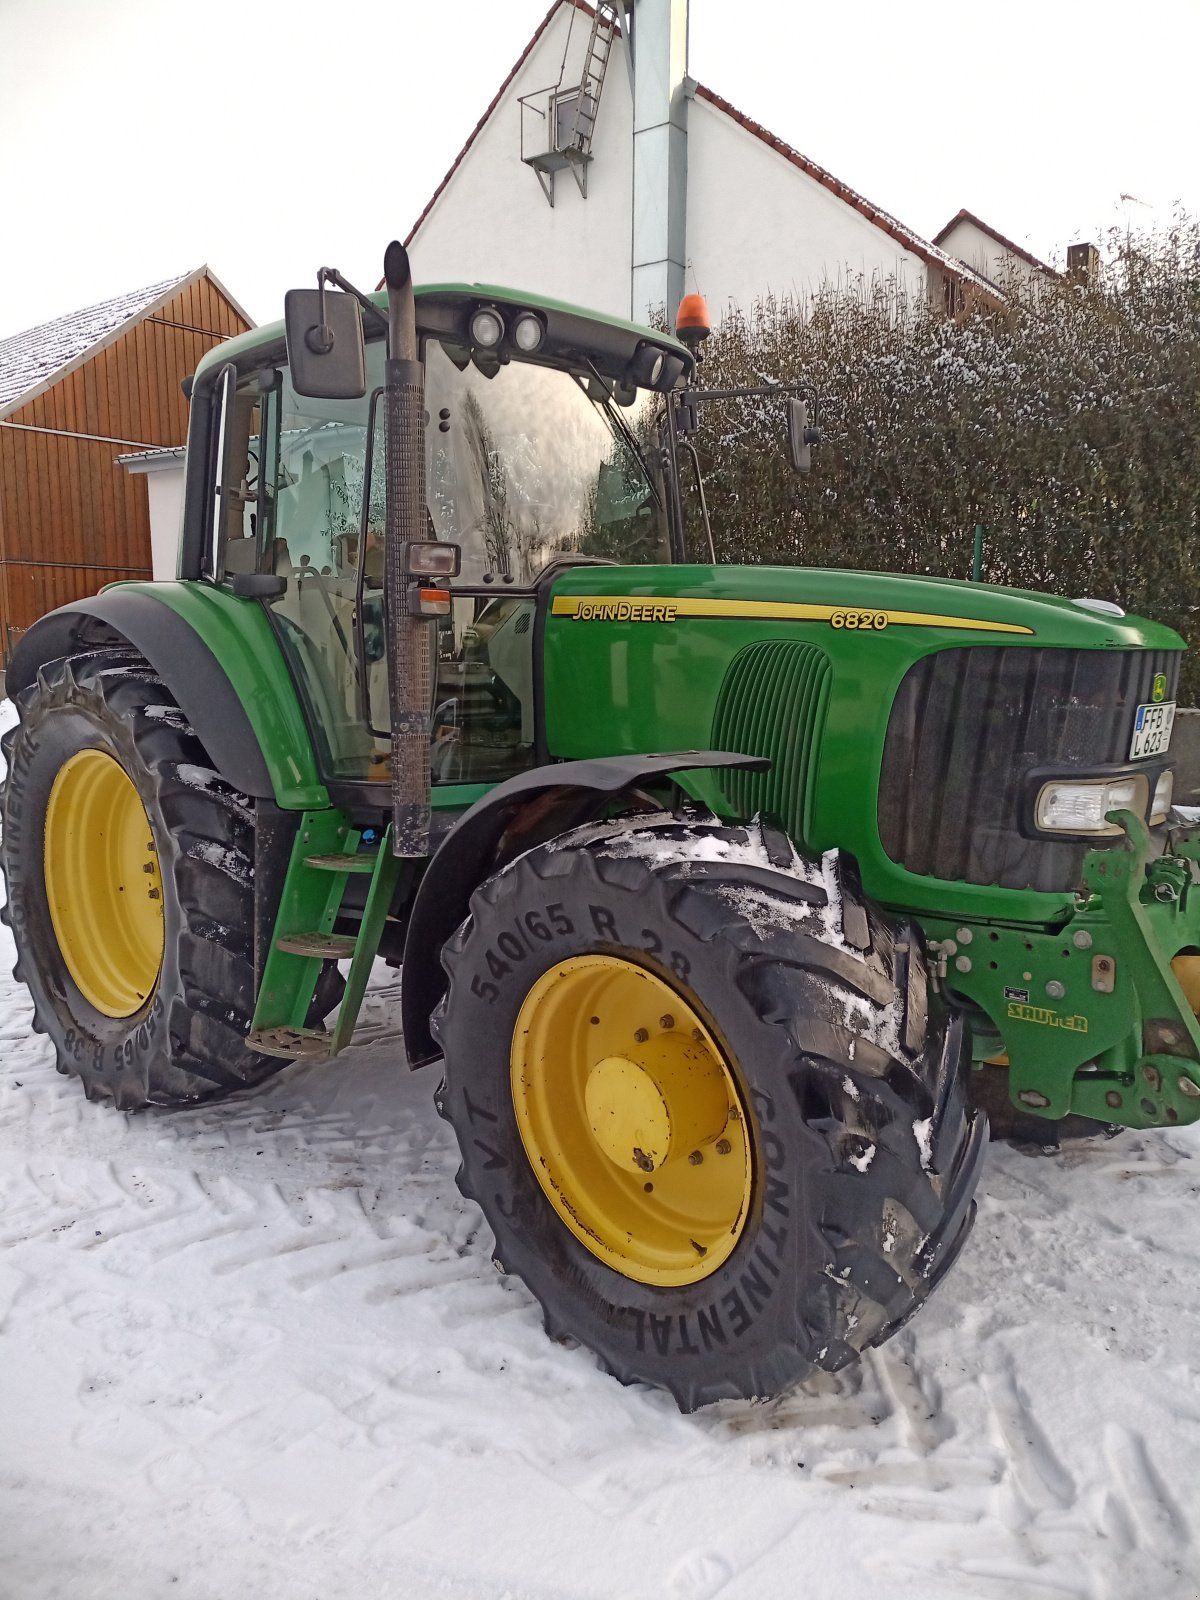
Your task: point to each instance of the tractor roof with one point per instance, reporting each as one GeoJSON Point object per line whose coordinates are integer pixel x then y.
{"type": "Point", "coordinates": [272, 332]}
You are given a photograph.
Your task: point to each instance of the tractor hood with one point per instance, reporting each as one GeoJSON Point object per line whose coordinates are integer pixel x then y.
{"type": "Point", "coordinates": [936, 611]}
{"type": "Point", "coordinates": [875, 697]}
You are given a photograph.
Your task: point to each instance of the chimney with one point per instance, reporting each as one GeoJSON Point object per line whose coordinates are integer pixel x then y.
{"type": "Point", "coordinates": [660, 95]}
{"type": "Point", "coordinates": [1083, 264]}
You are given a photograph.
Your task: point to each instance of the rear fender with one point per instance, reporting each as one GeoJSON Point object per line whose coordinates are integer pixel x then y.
{"type": "Point", "coordinates": [514, 817]}
{"type": "Point", "coordinates": [220, 660]}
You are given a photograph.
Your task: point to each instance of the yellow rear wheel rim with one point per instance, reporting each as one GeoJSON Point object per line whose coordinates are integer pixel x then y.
{"type": "Point", "coordinates": [632, 1120]}
{"type": "Point", "coordinates": [103, 883]}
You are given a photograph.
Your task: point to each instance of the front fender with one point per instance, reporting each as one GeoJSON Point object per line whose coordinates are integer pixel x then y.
{"type": "Point", "coordinates": [514, 817]}
{"type": "Point", "coordinates": [220, 660]}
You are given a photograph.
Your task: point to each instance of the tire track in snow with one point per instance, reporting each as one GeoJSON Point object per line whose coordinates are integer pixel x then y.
{"type": "Point", "coordinates": [315, 1419]}
{"type": "Point", "coordinates": [1157, 1521]}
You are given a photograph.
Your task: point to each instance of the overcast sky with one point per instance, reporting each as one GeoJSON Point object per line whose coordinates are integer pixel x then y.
{"type": "Point", "coordinates": [139, 138]}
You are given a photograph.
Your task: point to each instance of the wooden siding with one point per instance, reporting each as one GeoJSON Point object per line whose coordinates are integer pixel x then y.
{"type": "Point", "coordinates": [71, 520]}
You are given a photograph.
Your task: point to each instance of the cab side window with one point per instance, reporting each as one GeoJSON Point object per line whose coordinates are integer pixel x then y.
{"type": "Point", "coordinates": [483, 726]}
{"type": "Point", "coordinates": [316, 459]}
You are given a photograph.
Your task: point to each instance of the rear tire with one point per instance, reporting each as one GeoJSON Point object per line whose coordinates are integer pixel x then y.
{"type": "Point", "coordinates": [186, 1040]}
{"type": "Point", "coordinates": [864, 1155]}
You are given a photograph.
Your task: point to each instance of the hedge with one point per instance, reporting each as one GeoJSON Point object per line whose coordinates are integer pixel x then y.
{"type": "Point", "coordinates": [1067, 424]}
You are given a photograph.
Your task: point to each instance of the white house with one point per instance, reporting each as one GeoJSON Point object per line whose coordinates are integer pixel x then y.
{"type": "Point", "coordinates": [164, 471]}
{"type": "Point", "coordinates": [977, 244]}
{"type": "Point", "coordinates": [604, 174]}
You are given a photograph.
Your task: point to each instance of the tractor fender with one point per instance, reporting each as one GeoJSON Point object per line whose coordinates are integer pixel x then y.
{"type": "Point", "coordinates": [513, 817]}
{"type": "Point", "coordinates": [182, 659]}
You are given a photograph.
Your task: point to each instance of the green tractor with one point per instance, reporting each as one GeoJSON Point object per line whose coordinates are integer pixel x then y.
{"type": "Point", "coordinates": [724, 895]}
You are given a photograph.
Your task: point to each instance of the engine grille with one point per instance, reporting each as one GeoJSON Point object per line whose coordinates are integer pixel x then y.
{"type": "Point", "coordinates": [772, 703]}
{"type": "Point", "coordinates": [968, 727]}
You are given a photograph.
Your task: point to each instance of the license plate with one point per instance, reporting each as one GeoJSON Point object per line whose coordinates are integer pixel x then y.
{"type": "Point", "coordinates": [1152, 730]}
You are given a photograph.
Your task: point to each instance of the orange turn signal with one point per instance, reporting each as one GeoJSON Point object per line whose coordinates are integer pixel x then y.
{"type": "Point", "coordinates": [424, 602]}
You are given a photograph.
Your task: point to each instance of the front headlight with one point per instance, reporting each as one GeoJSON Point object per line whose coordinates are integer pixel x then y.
{"type": "Point", "coordinates": [1080, 805]}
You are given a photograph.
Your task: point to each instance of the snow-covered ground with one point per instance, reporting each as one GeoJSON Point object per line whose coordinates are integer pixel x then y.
{"type": "Point", "coordinates": [259, 1350]}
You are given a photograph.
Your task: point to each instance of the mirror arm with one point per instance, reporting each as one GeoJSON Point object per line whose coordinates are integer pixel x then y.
{"type": "Point", "coordinates": [332, 275]}
{"type": "Point", "coordinates": [695, 455]}
{"type": "Point", "coordinates": [692, 396]}
{"type": "Point", "coordinates": [675, 529]}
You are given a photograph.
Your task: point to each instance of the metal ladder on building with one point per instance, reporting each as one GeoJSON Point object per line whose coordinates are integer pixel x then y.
{"type": "Point", "coordinates": [570, 114]}
{"type": "Point", "coordinates": [591, 84]}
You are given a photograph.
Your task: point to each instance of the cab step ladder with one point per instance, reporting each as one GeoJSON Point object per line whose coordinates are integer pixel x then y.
{"type": "Point", "coordinates": [326, 854]}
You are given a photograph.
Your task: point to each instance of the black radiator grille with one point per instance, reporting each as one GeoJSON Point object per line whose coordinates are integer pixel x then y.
{"type": "Point", "coordinates": [967, 728]}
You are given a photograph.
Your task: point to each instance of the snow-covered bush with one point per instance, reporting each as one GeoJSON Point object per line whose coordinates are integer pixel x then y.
{"type": "Point", "coordinates": [1067, 424]}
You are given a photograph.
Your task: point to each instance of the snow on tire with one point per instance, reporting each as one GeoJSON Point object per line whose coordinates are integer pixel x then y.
{"type": "Point", "coordinates": [865, 1155]}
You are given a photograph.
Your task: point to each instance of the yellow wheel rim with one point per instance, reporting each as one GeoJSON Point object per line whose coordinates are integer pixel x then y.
{"type": "Point", "coordinates": [632, 1120]}
{"type": "Point", "coordinates": [103, 883]}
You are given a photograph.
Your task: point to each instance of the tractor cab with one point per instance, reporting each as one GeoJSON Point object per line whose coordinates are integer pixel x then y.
{"type": "Point", "coordinates": [547, 440]}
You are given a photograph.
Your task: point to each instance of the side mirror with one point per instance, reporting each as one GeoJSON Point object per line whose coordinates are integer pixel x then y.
{"type": "Point", "coordinates": [801, 435]}
{"type": "Point", "coordinates": [325, 345]}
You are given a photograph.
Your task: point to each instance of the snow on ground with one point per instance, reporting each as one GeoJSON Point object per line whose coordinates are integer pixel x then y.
{"type": "Point", "coordinates": [259, 1349]}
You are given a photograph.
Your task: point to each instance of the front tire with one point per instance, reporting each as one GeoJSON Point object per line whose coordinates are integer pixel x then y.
{"type": "Point", "coordinates": [844, 1070]}
{"type": "Point", "coordinates": [129, 866]}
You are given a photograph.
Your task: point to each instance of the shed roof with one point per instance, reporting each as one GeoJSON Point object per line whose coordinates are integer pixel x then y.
{"type": "Point", "coordinates": [922, 248]}
{"type": "Point", "coordinates": [33, 361]}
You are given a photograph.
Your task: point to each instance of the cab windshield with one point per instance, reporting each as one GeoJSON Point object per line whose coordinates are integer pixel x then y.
{"type": "Point", "coordinates": [522, 465]}
{"type": "Point", "coordinates": [525, 462]}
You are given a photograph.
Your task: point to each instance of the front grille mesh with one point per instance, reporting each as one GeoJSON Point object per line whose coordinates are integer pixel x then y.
{"type": "Point", "coordinates": [772, 703]}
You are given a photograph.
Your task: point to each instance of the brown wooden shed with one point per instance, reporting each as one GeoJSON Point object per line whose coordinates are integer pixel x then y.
{"type": "Point", "coordinates": [74, 394]}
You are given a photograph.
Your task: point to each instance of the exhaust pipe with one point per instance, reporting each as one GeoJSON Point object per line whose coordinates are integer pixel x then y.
{"type": "Point", "coordinates": [410, 686]}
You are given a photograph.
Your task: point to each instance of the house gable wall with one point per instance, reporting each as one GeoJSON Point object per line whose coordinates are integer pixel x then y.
{"type": "Point", "coordinates": [759, 221]}
{"type": "Point", "coordinates": [986, 254]}
{"type": "Point", "coordinates": [492, 224]}
{"type": "Point", "coordinates": [758, 224]}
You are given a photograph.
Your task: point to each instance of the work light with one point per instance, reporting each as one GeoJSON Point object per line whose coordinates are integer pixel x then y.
{"type": "Point", "coordinates": [646, 367]}
{"type": "Point", "coordinates": [429, 558]}
{"type": "Point", "coordinates": [487, 328]}
{"type": "Point", "coordinates": [528, 332]}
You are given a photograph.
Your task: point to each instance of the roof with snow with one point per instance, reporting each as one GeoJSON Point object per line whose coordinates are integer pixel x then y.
{"type": "Point", "coordinates": [33, 361]}
{"type": "Point", "coordinates": [1005, 244]}
{"type": "Point", "coordinates": [926, 251]}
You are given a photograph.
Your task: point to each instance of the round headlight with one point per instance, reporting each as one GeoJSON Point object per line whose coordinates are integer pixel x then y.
{"type": "Point", "coordinates": [656, 367]}
{"type": "Point", "coordinates": [528, 332]}
{"type": "Point", "coordinates": [487, 328]}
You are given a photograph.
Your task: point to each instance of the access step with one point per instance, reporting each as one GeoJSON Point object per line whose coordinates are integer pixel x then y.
{"type": "Point", "coordinates": [343, 863]}
{"type": "Point", "coordinates": [293, 1044]}
{"type": "Point", "coordinates": [324, 946]}
{"type": "Point", "coordinates": [326, 851]}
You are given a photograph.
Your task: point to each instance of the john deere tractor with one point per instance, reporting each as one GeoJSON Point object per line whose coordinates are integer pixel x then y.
{"type": "Point", "coordinates": [718, 891]}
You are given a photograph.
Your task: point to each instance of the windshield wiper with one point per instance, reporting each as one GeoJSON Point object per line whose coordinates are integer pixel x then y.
{"type": "Point", "coordinates": [613, 413]}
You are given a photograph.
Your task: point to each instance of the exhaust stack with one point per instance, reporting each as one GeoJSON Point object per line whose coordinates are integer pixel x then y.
{"type": "Point", "coordinates": [411, 641]}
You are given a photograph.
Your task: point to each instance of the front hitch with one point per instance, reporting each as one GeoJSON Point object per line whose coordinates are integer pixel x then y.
{"type": "Point", "coordinates": [1091, 1013]}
